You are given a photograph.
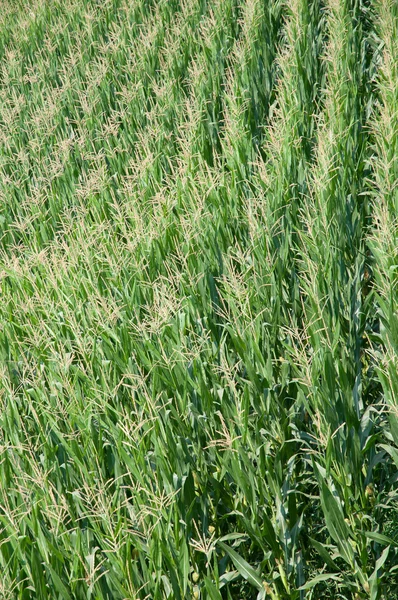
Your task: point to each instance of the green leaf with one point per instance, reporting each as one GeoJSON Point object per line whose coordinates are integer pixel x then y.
{"type": "Point", "coordinates": [374, 578]}
{"type": "Point", "coordinates": [233, 536]}
{"type": "Point", "coordinates": [392, 452]}
{"type": "Point", "coordinates": [228, 577]}
{"type": "Point", "coordinates": [336, 524]}
{"type": "Point", "coordinates": [324, 554]}
{"type": "Point", "coordinates": [184, 565]}
{"type": "Point", "coordinates": [59, 586]}
{"type": "Point", "coordinates": [243, 567]}
{"type": "Point", "coordinates": [319, 579]}
{"type": "Point", "coordinates": [212, 590]}
{"type": "Point", "coordinates": [380, 538]}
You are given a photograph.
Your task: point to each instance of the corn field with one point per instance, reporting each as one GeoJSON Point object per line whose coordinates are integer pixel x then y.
{"type": "Point", "coordinates": [198, 299]}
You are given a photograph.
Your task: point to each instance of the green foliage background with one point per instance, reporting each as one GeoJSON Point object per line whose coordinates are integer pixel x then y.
{"type": "Point", "coordinates": [198, 299]}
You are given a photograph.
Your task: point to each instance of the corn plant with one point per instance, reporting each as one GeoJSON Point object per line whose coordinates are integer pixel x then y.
{"type": "Point", "coordinates": [198, 339]}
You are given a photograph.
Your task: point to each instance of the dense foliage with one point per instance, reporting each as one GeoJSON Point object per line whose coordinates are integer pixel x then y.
{"type": "Point", "coordinates": [198, 299]}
